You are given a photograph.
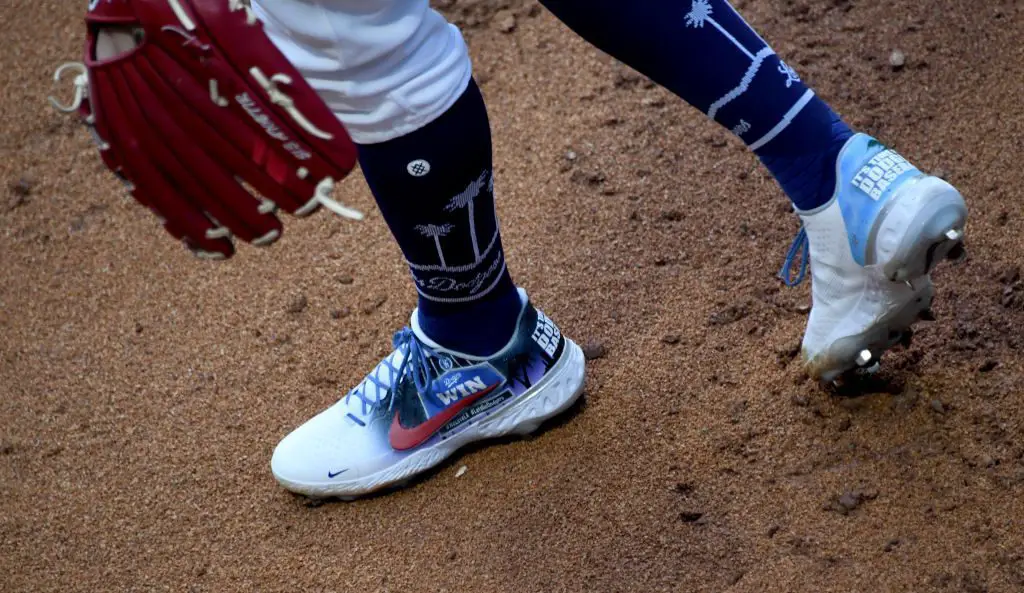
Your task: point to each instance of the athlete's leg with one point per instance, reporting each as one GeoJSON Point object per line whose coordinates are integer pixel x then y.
{"type": "Point", "coordinates": [399, 77]}
{"type": "Point", "coordinates": [703, 51]}
{"type": "Point", "coordinates": [871, 217]}
{"type": "Point", "coordinates": [479, 360]}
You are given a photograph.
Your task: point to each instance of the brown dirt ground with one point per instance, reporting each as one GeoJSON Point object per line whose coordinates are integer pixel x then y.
{"type": "Point", "coordinates": [143, 392]}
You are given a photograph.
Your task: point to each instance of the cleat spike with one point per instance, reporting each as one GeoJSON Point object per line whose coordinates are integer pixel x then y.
{"type": "Point", "coordinates": [863, 358]}
{"type": "Point", "coordinates": [907, 338]}
{"type": "Point", "coordinates": [954, 234]}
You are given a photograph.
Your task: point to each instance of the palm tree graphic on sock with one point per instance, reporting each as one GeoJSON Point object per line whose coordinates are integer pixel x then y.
{"type": "Point", "coordinates": [465, 200]}
{"type": "Point", "coordinates": [700, 13]}
{"type": "Point", "coordinates": [435, 232]}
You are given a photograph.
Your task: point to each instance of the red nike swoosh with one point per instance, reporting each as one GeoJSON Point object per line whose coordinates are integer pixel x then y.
{"type": "Point", "coordinates": [403, 438]}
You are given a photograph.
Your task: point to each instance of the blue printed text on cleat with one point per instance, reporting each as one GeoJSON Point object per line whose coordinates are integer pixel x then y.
{"type": "Point", "coordinates": [869, 174]}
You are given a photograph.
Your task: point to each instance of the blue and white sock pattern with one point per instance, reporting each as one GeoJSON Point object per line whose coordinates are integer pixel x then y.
{"type": "Point", "coordinates": [765, 74]}
{"type": "Point", "coordinates": [453, 279]}
{"type": "Point", "coordinates": [708, 55]}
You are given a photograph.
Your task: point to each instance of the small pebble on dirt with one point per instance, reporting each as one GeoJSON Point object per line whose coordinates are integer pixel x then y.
{"type": "Point", "coordinates": [504, 21]}
{"type": "Point", "coordinates": [850, 500]}
{"type": "Point", "coordinates": [671, 215]}
{"type": "Point", "coordinates": [670, 339]}
{"type": "Point", "coordinates": [690, 516]}
{"type": "Point", "coordinates": [594, 350]}
{"type": "Point", "coordinates": [897, 59]}
{"type": "Point", "coordinates": [345, 279]}
{"type": "Point", "coordinates": [938, 406]}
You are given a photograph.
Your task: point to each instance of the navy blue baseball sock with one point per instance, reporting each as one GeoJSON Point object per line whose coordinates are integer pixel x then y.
{"type": "Point", "coordinates": [703, 51]}
{"type": "Point", "coordinates": [435, 189]}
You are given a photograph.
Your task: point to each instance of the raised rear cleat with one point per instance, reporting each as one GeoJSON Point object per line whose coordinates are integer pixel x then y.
{"type": "Point", "coordinates": [870, 250]}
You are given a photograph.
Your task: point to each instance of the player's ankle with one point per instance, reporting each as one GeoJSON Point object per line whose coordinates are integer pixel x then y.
{"type": "Point", "coordinates": [479, 328]}
{"type": "Point", "coordinates": [803, 157]}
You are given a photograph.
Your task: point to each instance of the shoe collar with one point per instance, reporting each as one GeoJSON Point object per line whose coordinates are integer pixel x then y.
{"type": "Point", "coordinates": [860, 141]}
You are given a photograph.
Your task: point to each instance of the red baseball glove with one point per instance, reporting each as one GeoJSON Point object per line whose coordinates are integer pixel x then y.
{"type": "Point", "coordinates": [205, 120]}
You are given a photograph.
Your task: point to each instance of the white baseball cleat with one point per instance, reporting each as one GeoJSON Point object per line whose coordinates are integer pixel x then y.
{"type": "Point", "coordinates": [423, 402]}
{"type": "Point", "coordinates": [871, 249]}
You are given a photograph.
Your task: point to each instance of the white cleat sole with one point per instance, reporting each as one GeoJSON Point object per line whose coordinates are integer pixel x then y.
{"type": "Point", "coordinates": [553, 395]}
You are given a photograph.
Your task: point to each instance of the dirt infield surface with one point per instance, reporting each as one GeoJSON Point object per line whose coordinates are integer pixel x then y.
{"type": "Point", "coordinates": [142, 392]}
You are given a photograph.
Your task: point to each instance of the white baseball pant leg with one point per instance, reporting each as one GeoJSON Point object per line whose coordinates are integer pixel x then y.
{"type": "Point", "coordinates": [385, 67]}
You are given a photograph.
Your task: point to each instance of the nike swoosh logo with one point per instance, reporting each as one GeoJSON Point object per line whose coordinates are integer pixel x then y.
{"type": "Point", "coordinates": [332, 475]}
{"type": "Point", "coordinates": [403, 438]}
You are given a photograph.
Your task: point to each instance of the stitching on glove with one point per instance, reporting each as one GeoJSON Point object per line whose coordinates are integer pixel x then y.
{"type": "Point", "coordinates": [279, 97]}
{"type": "Point", "coordinates": [182, 15]}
